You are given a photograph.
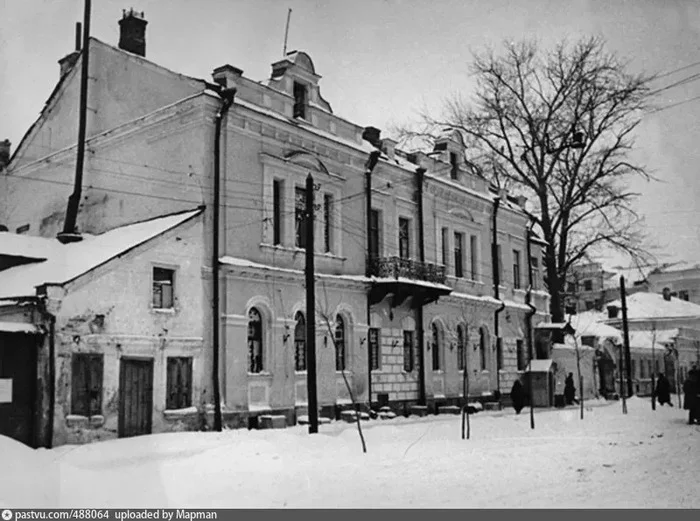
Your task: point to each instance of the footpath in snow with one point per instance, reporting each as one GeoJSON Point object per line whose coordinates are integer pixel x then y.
{"type": "Point", "coordinates": [644, 459]}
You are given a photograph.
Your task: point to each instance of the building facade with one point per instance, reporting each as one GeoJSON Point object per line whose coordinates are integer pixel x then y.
{"type": "Point", "coordinates": [407, 297]}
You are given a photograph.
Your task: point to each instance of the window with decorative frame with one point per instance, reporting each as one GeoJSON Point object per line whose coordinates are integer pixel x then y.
{"type": "Point", "coordinates": [408, 343]}
{"type": "Point", "coordinates": [436, 347]}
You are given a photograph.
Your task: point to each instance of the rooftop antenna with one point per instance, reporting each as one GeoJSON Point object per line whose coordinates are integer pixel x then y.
{"type": "Point", "coordinates": [286, 33]}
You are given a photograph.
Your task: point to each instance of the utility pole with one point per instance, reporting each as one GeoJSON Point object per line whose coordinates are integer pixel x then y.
{"type": "Point", "coordinates": [622, 385]}
{"type": "Point", "coordinates": [626, 333]}
{"type": "Point", "coordinates": [70, 232]}
{"type": "Point", "coordinates": [311, 309]}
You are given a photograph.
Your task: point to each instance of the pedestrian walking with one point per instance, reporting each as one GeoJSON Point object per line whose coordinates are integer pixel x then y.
{"type": "Point", "coordinates": [663, 390]}
{"type": "Point", "coordinates": [690, 396]}
{"type": "Point", "coordinates": [570, 390]}
{"type": "Point", "coordinates": [517, 396]}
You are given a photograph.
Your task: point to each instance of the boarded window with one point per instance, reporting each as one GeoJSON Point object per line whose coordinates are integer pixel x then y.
{"type": "Point", "coordinates": [179, 383]}
{"type": "Point", "coordinates": [408, 351]}
{"type": "Point", "coordinates": [86, 381]}
{"type": "Point", "coordinates": [374, 353]}
{"type": "Point", "coordinates": [163, 288]}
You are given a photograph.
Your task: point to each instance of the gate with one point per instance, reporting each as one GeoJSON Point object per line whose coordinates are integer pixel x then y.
{"type": "Point", "coordinates": [135, 396]}
{"type": "Point", "coordinates": [18, 381]}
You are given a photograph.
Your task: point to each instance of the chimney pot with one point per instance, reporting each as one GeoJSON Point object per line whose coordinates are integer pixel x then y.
{"type": "Point", "coordinates": [132, 32]}
{"type": "Point", "coordinates": [612, 311]}
{"type": "Point", "coordinates": [372, 135]}
{"type": "Point", "coordinates": [5, 147]}
{"type": "Point", "coordinates": [227, 76]}
{"type": "Point", "coordinates": [389, 148]}
{"type": "Point", "coordinates": [666, 292]}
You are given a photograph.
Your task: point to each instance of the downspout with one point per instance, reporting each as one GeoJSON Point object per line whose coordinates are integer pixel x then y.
{"type": "Point", "coordinates": [70, 233]}
{"type": "Point", "coordinates": [420, 332]}
{"type": "Point", "coordinates": [227, 96]}
{"type": "Point", "coordinates": [496, 292]}
{"type": "Point", "coordinates": [369, 168]}
{"type": "Point", "coordinates": [51, 377]}
{"type": "Point", "coordinates": [529, 315]}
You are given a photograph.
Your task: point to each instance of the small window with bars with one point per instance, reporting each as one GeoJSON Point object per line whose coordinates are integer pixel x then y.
{"type": "Point", "coordinates": [163, 288]}
{"type": "Point", "coordinates": [179, 383]}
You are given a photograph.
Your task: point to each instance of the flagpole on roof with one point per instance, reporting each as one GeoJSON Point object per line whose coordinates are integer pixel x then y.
{"type": "Point", "coordinates": [286, 33]}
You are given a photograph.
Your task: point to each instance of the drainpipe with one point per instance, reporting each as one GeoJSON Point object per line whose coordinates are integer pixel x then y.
{"type": "Point", "coordinates": [51, 384]}
{"type": "Point", "coordinates": [529, 315]}
{"type": "Point", "coordinates": [70, 233]}
{"type": "Point", "coordinates": [227, 96]}
{"type": "Point", "coordinates": [369, 168]}
{"type": "Point", "coordinates": [496, 292]}
{"type": "Point", "coordinates": [420, 332]}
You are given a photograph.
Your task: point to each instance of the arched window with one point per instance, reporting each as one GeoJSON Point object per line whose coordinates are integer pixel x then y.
{"type": "Point", "coordinates": [461, 351]}
{"type": "Point", "coordinates": [339, 344]}
{"type": "Point", "coordinates": [483, 339]}
{"type": "Point", "coordinates": [436, 347]}
{"type": "Point", "coordinates": [300, 342]}
{"type": "Point", "coordinates": [255, 341]}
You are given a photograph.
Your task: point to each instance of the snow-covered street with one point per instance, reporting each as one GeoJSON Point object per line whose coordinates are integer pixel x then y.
{"type": "Point", "coordinates": [640, 460]}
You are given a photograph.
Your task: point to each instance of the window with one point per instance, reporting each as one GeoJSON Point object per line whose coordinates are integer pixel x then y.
{"type": "Point", "coordinates": [86, 384]}
{"type": "Point", "coordinates": [255, 341]}
{"type": "Point", "coordinates": [643, 368]}
{"type": "Point", "coordinates": [454, 166]}
{"type": "Point", "coordinates": [300, 342]}
{"type": "Point", "coordinates": [473, 257]}
{"type": "Point", "coordinates": [633, 368]}
{"type": "Point", "coordinates": [277, 198]}
{"type": "Point", "coordinates": [461, 351]}
{"type": "Point", "coordinates": [408, 351]}
{"type": "Point", "coordinates": [327, 223]}
{"type": "Point", "coordinates": [404, 237]}
{"type": "Point", "coordinates": [179, 383]}
{"type": "Point", "coordinates": [590, 304]}
{"type": "Point", "coordinates": [373, 339]}
{"type": "Point", "coordinates": [300, 100]}
{"type": "Point", "coordinates": [163, 288]}
{"type": "Point", "coordinates": [300, 217]}
{"type": "Point", "coordinates": [571, 287]}
{"type": "Point", "coordinates": [588, 340]}
{"type": "Point", "coordinates": [22, 229]}
{"type": "Point", "coordinates": [436, 347]}
{"type": "Point", "coordinates": [482, 347]}
{"type": "Point", "coordinates": [339, 344]}
{"type": "Point", "coordinates": [445, 247]}
{"type": "Point", "coordinates": [516, 269]}
{"type": "Point", "coordinates": [459, 254]}
{"type": "Point", "coordinates": [374, 225]}
{"type": "Point", "coordinates": [588, 285]}
{"type": "Point", "coordinates": [521, 354]}
{"type": "Point", "coordinates": [683, 294]}
{"type": "Point", "coordinates": [535, 267]}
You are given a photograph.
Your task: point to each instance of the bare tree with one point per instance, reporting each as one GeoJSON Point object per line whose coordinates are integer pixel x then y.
{"type": "Point", "coordinates": [557, 126]}
{"type": "Point", "coordinates": [330, 325]}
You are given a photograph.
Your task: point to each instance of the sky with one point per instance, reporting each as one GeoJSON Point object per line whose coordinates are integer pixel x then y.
{"type": "Point", "coordinates": [382, 61]}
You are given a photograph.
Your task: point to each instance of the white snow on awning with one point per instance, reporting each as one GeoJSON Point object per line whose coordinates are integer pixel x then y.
{"type": "Point", "coordinates": [19, 327]}
{"type": "Point", "coordinates": [539, 366]}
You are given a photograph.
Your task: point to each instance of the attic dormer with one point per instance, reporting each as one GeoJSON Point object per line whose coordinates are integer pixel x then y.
{"type": "Point", "coordinates": [449, 148]}
{"type": "Point", "coordinates": [295, 75]}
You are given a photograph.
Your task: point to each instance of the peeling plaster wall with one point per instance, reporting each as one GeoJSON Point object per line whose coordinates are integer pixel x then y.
{"type": "Point", "coordinates": [109, 311]}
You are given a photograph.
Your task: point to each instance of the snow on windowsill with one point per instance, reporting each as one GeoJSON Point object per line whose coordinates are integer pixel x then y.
{"type": "Point", "coordinates": [179, 413]}
{"type": "Point", "coordinates": [164, 311]}
{"type": "Point", "coordinates": [262, 374]}
{"type": "Point", "coordinates": [78, 420]}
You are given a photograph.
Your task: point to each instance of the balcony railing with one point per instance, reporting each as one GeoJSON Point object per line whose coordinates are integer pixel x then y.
{"type": "Point", "coordinates": [396, 267]}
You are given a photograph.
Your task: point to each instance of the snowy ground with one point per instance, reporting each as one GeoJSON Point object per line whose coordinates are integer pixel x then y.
{"type": "Point", "coordinates": [640, 460]}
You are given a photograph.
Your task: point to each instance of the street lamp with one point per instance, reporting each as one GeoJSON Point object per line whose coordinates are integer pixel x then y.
{"type": "Point", "coordinates": [310, 290]}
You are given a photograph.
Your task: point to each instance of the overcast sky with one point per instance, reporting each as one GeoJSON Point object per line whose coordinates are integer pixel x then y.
{"type": "Point", "coordinates": [382, 60]}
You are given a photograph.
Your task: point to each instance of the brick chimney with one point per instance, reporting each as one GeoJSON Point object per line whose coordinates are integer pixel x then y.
{"type": "Point", "coordinates": [5, 153]}
{"type": "Point", "coordinates": [373, 136]}
{"type": "Point", "coordinates": [227, 76]}
{"type": "Point", "coordinates": [132, 32]}
{"type": "Point", "coordinates": [666, 292]}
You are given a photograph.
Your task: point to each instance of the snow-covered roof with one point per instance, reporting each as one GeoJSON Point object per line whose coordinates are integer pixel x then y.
{"type": "Point", "coordinates": [589, 323]}
{"type": "Point", "coordinates": [647, 305]}
{"type": "Point", "coordinates": [18, 327]}
{"type": "Point", "coordinates": [14, 245]}
{"type": "Point", "coordinates": [65, 262]}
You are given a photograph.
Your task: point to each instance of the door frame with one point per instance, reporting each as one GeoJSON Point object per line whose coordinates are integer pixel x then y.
{"type": "Point", "coordinates": [122, 390]}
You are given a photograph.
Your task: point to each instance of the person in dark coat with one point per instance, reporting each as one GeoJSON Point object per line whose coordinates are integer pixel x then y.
{"type": "Point", "coordinates": [570, 390]}
{"type": "Point", "coordinates": [517, 396]}
{"type": "Point", "coordinates": [690, 396]}
{"type": "Point", "coordinates": [663, 390]}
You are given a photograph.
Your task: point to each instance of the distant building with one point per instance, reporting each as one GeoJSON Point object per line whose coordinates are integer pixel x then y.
{"type": "Point", "coordinates": [590, 286]}
{"type": "Point", "coordinates": [682, 279]}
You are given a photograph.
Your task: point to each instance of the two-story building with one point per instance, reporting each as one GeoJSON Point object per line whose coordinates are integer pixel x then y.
{"type": "Point", "coordinates": [407, 298]}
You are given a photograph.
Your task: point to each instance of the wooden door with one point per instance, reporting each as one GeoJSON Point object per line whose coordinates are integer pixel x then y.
{"type": "Point", "coordinates": [18, 371]}
{"type": "Point", "coordinates": [135, 396]}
